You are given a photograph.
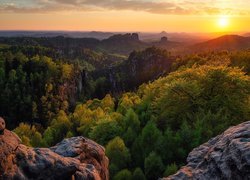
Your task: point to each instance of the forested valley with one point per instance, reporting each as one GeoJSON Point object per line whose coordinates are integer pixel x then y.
{"type": "Point", "coordinates": [148, 107]}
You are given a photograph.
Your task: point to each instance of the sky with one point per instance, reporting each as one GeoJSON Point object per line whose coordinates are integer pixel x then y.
{"type": "Point", "coordinates": [126, 15]}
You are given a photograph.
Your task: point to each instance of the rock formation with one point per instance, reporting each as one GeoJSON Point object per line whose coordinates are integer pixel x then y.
{"type": "Point", "coordinates": [73, 158]}
{"type": "Point", "coordinates": [2, 125]}
{"type": "Point", "coordinates": [226, 156]}
{"type": "Point", "coordinates": [164, 39]}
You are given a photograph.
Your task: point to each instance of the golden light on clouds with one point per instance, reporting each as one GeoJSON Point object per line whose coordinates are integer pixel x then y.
{"type": "Point", "coordinates": [126, 15]}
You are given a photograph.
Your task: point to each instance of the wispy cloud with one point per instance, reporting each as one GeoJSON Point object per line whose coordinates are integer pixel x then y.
{"type": "Point", "coordinates": [150, 6]}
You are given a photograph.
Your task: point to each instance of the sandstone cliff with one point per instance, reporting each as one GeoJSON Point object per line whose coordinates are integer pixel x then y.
{"type": "Point", "coordinates": [73, 158]}
{"type": "Point", "coordinates": [226, 156]}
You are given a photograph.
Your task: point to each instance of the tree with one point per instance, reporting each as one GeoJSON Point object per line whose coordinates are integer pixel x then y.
{"type": "Point", "coordinates": [127, 101]}
{"type": "Point", "coordinates": [107, 103]}
{"type": "Point", "coordinates": [124, 174]}
{"type": "Point", "coordinates": [67, 71]}
{"type": "Point", "coordinates": [138, 158]}
{"type": "Point", "coordinates": [129, 136]}
{"type": "Point", "coordinates": [150, 138]}
{"type": "Point", "coordinates": [182, 94]}
{"type": "Point", "coordinates": [118, 153]}
{"type": "Point", "coordinates": [29, 135]}
{"type": "Point", "coordinates": [168, 146]}
{"type": "Point", "coordinates": [153, 166]}
{"type": "Point", "coordinates": [184, 141]}
{"type": "Point", "coordinates": [58, 128]}
{"type": "Point", "coordinates": [84, 118]}
{"type": "Point", "coordinates": [241, 59]}
{"type": "Point", "coordinates": [171, 169]}
{"type": "Point", "coordinates": [104, 131]}
{"type": "Point", "coordinates": [131, 127]}
{"type": "Point", "coordinates": [48, 136]}
{"type": "Point", "coordinates": [138, 174]}
{"type": "Point", "coordinates": [32, 84]}
{"type": "Point", "coordinates": [131, 120]}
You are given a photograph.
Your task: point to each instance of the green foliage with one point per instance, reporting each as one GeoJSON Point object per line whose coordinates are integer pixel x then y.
{"type": "Point", "coordinates": [48, 135]}
{"type": "Point", "coordinates": [223, 58]}
{"type": "Point", "coordinates": [241, 59]}
{"type": "Point", "coordinates": [29, 135]}
{"type": "Point", "coordinates": [124, 174]}
{"type": "Point", "coordinates": [67, 71]}
{"type": "Point", "coordinates": [171, 169]}
{"type": "Point", "coordinates": [152, 129]}
{"type": "Point", "coordinates": [58, 129]}
{"type": "Point", "coordinates": [131, 126]}
{"type": "Point", "coordinates": [209, 88]}
{"type": "Point", "coordinates": [167, 118]}
{"type": "Point", "coordinates": [153, 166]}
{"type": "Point", "coordinates": [131, 120]}
{"type": "Point", "coordinates": [150, 138]}
{"type": "Point", "coordinates": [104, 131]}
{"type": "Point", "coordinates": [107, 103]}
{"type": "Point", "coordinates": [84, 118]}
{"type": "Point", "coordinates": [138, 174]}
{"type": "Point", "coordinates": [32, 87]}
{"type": "Point", "coordinates": [118, 153]}
{"type": "Point", "coordinates": [128, 100]}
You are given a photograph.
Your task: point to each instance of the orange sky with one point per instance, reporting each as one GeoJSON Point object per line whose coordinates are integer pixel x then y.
{"type": "Point", "coordinates": [124, 15]}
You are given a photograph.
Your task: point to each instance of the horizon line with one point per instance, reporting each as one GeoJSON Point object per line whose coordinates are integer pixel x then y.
{"type": "Point", "coordinates": [129, 31]}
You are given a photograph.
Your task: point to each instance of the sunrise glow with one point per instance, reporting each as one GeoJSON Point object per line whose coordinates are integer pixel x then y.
{"type": "Point", "coordinates": [223, 22]}
{"type": "Point", "coordinates": [124, 15]}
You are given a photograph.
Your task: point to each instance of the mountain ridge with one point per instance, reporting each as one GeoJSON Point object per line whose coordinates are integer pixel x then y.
{"type": "Point", "coordinates": [226, 42]}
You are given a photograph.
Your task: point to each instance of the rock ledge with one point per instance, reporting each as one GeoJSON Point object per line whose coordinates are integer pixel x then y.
{"type": "Point", "coordinates": [73, 158]}
{"type": "Point", "coordinates": [226, 156]}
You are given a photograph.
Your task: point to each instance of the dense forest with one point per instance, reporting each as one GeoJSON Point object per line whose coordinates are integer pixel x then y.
{"type": "Point", "coordinates": [149, 109]}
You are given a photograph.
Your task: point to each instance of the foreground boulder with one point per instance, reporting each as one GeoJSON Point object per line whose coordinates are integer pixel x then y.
{"type": "Point", "coordinates": [73, 158]}
{"type": "Point", "coordinates": [226, 156]}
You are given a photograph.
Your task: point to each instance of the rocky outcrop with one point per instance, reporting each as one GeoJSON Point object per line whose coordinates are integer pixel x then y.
{"type": "Point", "coordinates": [164, 39]}
{"type": "Point", "coordinates": [226, 156]}
{"type": "Point", "coordinates": [2, 125]}
{"type": "Point", "coordinates": [123, 44]}
{"type": "Point", "coordinates": [73, 158]}
{"type": "Point", "coordinates": [141, 66]}
{"type": "Point", "coordinates": [124, 37]}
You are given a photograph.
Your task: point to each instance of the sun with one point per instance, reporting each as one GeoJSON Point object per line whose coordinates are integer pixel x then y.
{"type": "Point", "coordinates": [223, 22]}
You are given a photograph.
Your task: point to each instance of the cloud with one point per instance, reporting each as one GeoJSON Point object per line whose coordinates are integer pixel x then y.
{"type": "Point", "coordinates": [153, 6]}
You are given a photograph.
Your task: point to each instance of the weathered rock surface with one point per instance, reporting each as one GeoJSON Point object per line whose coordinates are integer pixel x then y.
{"type": "Point", "coordinates": [2, 125]}
{"type": "Point", "coordinates": [73, 158]}
{"type": "Point", "coordinates": [226, 156]}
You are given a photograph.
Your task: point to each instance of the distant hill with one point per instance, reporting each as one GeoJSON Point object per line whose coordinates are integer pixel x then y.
{"type": "Point", "coordinates": [246, 34]}
{"type": "Point", "coordinates": [227, 42]}
{"type": "Point", "coordinates": [186, 38]}
{"type": "Point", "coordinates": [122, 44]}
{"type": "Point", "coordinates": [73, 34]}
{"type": "Point", "coordinates": [166, 44]}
